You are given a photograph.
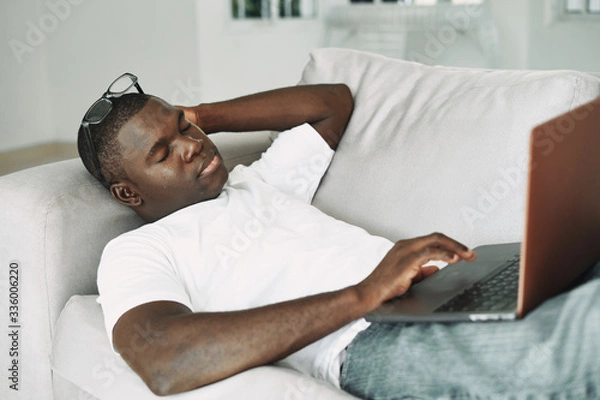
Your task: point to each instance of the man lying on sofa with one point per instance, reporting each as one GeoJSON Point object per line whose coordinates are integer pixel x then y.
{"type": "Point", "coordinates": [236, 270]}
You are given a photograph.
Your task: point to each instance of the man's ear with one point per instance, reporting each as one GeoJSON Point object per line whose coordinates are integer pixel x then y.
{"type": "Point", "coordinates": [125, 194]}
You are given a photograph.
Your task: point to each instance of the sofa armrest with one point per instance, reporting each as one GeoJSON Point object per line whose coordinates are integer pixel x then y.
{"type": "Point", "coordinates": [58, 220]}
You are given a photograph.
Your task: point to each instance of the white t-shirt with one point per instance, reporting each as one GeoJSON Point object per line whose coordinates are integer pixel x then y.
{"type": "Point", "coordinates": [259, 242]}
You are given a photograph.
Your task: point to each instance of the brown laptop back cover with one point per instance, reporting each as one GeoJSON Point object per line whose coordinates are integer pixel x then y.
{"type": "Point", "coordinates": [562, 232]}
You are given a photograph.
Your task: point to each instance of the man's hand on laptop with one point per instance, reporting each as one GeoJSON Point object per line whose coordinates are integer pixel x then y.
{"type": "Point", "coordinates": [405, 263]}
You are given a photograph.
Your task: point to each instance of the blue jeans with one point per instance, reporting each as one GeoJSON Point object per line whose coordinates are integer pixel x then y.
{"type": "Point", "coordinates": [552, 353]}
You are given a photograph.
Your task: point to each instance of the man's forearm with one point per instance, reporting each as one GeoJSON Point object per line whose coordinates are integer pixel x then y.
{"type": "Point", "coordinates": [327, 107]}
{"type": "Point", "coordinates": [196, 349]}
{"type": "Point", "coordinates": [277, 109]}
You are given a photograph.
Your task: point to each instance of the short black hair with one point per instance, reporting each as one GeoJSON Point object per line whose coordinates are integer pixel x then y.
{"type": "Point", "coordinates": [104, 137]}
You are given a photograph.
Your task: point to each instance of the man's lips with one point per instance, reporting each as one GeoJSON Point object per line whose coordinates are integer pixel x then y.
{"type": "Point", "coordinates": [209, 165]}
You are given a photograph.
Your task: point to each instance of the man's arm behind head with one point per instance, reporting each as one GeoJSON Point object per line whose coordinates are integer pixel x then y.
{"type": "Point", "coordinates": [326, 107]}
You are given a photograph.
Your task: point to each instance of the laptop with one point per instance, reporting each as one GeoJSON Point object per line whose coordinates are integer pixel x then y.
{"type": "Point", "coordinates": [561, 238]}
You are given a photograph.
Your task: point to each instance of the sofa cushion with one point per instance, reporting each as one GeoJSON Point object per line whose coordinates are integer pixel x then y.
{"type": "Point", "coordinates": [82, 356]}
{"type": "Point", "coordinates": [437, 148]}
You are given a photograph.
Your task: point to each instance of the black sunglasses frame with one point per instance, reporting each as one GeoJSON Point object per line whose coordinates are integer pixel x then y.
{"type": "Point", "coordinates": [100, 110]}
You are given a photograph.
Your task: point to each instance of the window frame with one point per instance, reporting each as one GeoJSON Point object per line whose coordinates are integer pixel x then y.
{"type": "Point", "coordinates": [556, 12]}
{"type": "Point", "coordinates": [274, 13]}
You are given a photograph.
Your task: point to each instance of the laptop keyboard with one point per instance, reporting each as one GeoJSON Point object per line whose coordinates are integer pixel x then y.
{"type": "Point", "coordinates": [496, 293]}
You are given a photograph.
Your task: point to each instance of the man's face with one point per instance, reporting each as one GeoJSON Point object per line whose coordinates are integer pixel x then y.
{"type": "Point", "coordinates": [170, 163]}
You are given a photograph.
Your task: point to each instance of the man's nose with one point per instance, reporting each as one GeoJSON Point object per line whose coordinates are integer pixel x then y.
{"type": "Point", "coordinates": [191, 148]}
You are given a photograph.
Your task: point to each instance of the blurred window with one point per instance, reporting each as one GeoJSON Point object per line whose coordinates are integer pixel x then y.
{"type": "Point", "coordinates": [420, 2]}
{"type": "Point", "coordinates": [582, 6]}
{"type": "Point", "coordinates": [269, 9]}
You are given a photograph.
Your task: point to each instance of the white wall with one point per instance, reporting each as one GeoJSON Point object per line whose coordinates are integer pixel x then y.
{"type": "Point", "coordinates": [25, 114]}
{"type": "Point", "coordinates": [241, 57]}
{"type": "Point", "coordinates": [79, 48]}
{"type": "Point", "coordinates": [510, 17]}
{"type": "Point", "coordinates": [562, 44]}
{"type": "Point", "coordinates": [154, 39]}
{"type": "Point", "coordinates": [528, 41]}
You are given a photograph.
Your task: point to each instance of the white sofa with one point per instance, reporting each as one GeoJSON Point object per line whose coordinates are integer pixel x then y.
{"type": "Point", "coordinates": [427, 149]}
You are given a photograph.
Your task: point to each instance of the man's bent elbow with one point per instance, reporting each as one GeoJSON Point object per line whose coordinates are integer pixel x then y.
{"type": "Point", "coordinates": [345, 107]}
{"type": "Point", "coordinates": [346, 99]}
{"type": "Point", "coordinates": [161, 386]}
{"type": "Point", "coordinates": [165, 383]}
{"type": "Point", "coordinates": [158, 370]}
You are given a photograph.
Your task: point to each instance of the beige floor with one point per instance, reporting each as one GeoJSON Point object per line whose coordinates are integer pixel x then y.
{"type": "Point", "coordinates": [15, 160]}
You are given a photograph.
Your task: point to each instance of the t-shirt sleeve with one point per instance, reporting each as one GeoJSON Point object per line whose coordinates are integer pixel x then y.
{"type": "Point", "coordinates": [135, 269]}
{"type": "Point", "coordinates": [295, 162]}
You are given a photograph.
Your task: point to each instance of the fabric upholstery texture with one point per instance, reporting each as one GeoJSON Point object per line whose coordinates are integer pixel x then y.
{"type": "Point", "coordinates": [455, 143]}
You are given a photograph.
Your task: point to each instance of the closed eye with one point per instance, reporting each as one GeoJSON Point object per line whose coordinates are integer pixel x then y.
{"type": "Point", "coordinates": [165, 154]}
{"type": "Point", "coordinates": [161, 145]}
{"type": "Point", "coordinates": [181, 118]}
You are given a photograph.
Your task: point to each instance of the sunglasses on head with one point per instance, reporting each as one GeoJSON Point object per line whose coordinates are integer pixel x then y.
{"type": "Point", "coordinates": [102, 107]}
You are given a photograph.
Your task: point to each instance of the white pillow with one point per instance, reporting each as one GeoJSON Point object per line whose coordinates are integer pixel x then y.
{"type": "Point", "coordinates": [83, 357]}
{"type": "Point", "coordinates": [437, 148]}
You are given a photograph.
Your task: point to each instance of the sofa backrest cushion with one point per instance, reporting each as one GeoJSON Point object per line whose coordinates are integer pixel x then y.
{"type": "Point", "coordinates": [437, 148]}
